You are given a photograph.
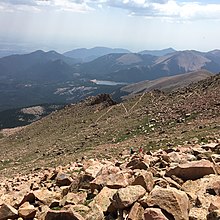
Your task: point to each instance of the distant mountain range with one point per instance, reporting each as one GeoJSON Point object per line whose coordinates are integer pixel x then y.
{"type": "Point", "coordinates": [50, 77]}
{"type": "Point", "coordinates": [137, 67]}
{"type": "Point", "coordinates": [86, 55]}
{"type": "Point", "coordinates": [38, 66]}
{"type": "Point", "coordinates": [158, 52]}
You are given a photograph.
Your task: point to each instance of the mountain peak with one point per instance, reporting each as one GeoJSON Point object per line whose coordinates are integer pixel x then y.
{"type": "Point", "coordinates": [158, 52]}
{"type": "Point", "coordinates": [87, 55]}
{"type": "Point", "coordinates": [38, 52]}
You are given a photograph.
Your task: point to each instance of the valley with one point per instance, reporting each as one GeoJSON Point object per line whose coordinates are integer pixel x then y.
{"type": "Point", "coordinates": [49, 77]}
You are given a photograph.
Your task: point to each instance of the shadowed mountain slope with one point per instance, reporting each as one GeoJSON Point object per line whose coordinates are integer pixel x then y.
{"type": "Point", "coordinates": [18, 67]}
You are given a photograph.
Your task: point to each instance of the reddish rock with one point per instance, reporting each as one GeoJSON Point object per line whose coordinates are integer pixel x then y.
{"type": "Point", "coordinates": [82, 209]}
{"type": "Point", "coordinates": [62, 215]}
{"type": "Point", "coordinates": [215, 205]}
{"type": "Point", "coordinates": [104, 200]}
{"type": "Point", "coordinates": [27, 211]}
{"type": "Point", "coordinates": [29, 197]}
{"type": "Point", "coordinates": [137, 163]}
{"type": "Point", "coordinates": [136, 212]}
{"type": "Point", "coordinates": [177, 157]}
{"type": "Point", "coordinates": [63, 179]}
{"type": "Point", "coordinates": [125, 197]}
{"type": "Point", "coordinates": [154, 214]}
{"type": "Point", "coordinates": [174, 201]}
{"type": "Point", "coordinates": [144, 179]}
{"type": "Point", "coordinates": [108, 169]}
{"type": "Point", "coordinates": [45, 196]}
{"type": "Point", "coordinates": [8, 212]}
{"type": "Point", "coordinates": [192, 170]}
{"type": "Point", "coordinates": [214, 188]}
{"type": "Point", "coordinates": [113, 181]}
{"type": "Point", "coordinates": [74, 198]}
{"type": "Point", "coordinates": [95, 213]}
{"type": "Point", "coordinates": [210, 146]}
{"type": "Point", "coordinates": [94, 169]}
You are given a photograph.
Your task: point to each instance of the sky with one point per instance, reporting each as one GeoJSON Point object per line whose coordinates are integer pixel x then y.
{"type": "Point", "coordinates": [136, 25]}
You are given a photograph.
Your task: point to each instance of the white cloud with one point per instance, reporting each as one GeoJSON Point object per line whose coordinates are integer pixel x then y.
{"type": "Point", "coordinates": [168, 9]}
{"type": "Point", "coordinates": [77, 5]}
{"type": "Point", "coordinates": [70, 5]}
{"type": "Point", "coordinates": [187, 10]}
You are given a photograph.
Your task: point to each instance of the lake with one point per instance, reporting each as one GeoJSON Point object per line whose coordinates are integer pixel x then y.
{"type": "Point", "coordinates": [107, 83]}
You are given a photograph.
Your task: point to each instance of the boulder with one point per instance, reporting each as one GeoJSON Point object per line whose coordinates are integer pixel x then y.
{"type": "Point", "coordinates": [63, 179]}
{"type": "Point", "coordinates": [113, 181]}
{"type": "Point", "coordinates": [8, 212]}
{"type": "Point", "coordinates": [29, 197]}
{"type": "Point", "coordinates": [74, 198]}
{"type": "Point", "coordinates": [45, 196]}
{"type": "Point", "coordinates": [213, 187]}
{"type": "Point", "coordinates": [176, 157]}
{"type": "Point", "coordinates": [108, 169]}
{"type": "Point", "coordinates": [145, 179]}
{"type": "Point", "coordinates": [125, 197]}
{"type": "Point", "coordinates": [84, 182]}
{"type": "Point", "coordinates": [62, 215]}
{"type": "Point", "coordinates": [154, 214]}
{"type": "Point", "coordinates": [137, 163]}
{"type": "Point", "coordinates": [200, 197]}
{"type": "Point", "coordinates": [136, 212]}
{"type": "Point", "coordinates": [104, 200]}
{"type": "Point", "coordinates": [27, 211]}
{"type": "Point", "coordinates": [94, 169]}
{"type": "Point", "coordinates": [95, 213]}
{"type": "Point", "coordinates": [215, 205]}
{"type": "Point", "coordinates": [192, 170]}
{"type": "Point", "coordinates": [82, 209]}
{"type": "Point", "coordinates": [173, 201]}
{"type": "Point", "coordinates": [210, 146]}
{"type": "Point", "coordinates": [198, 213]}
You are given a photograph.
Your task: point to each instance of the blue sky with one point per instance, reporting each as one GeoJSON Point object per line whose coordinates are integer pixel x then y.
{"type": "Point", "coordinates": [133, 24]}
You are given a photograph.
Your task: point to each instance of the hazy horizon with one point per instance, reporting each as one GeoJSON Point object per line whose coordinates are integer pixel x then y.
{"type": "Point", "coordinates": [62, 25]}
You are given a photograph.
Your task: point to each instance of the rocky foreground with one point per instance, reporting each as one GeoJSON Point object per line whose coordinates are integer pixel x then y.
{"type": "Point", "coordinates": [180, 183]}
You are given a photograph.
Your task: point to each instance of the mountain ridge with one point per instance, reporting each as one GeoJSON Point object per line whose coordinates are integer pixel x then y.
{"type": "Point", "coordinates": [87, 55]}
{"type": "Point", "coordinates": [166, 83]}
{"type": "Point", "coordinates": [162, 52]}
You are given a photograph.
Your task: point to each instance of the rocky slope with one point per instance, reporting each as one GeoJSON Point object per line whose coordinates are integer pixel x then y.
{"type": "Point", "coordinates": [178, 183]}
